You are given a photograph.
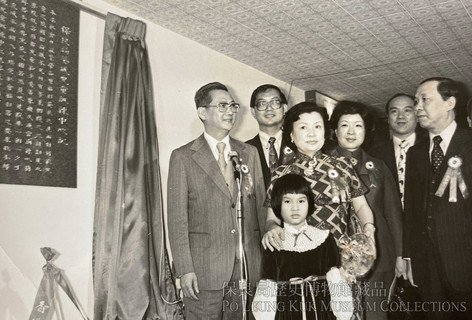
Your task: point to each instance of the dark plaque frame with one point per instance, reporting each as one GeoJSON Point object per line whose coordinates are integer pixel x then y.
{"type": "Point", "coordinates": [39, 44]}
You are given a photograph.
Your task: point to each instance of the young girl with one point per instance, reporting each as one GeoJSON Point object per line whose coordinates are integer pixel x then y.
{"type": "Point", "coordinates": [302, 280]}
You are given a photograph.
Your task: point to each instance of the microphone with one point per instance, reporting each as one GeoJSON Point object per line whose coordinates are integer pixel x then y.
{"type": "Point", "coordinates": [236, 161]}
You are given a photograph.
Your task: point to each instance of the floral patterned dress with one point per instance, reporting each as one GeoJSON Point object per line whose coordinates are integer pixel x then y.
{"type": "Point", "coordinates": [328, 214]}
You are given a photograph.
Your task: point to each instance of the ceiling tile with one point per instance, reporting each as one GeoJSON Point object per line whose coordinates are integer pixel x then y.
{"type": "Point", "coordinates": [344, 48]}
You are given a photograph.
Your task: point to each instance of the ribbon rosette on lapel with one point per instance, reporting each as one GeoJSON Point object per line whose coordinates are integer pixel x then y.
{"type": "Point", "coordinates": [246, 178]}
{"type": "Point", "coordinates": [311, 167]}
{"type": "Point", "coordinates": [369, 165]}
{"type": "Point", "coordinates": [453, 177]}
{"type": "Point", "coordinates": [339, 187]}
{"type": "Point", "coordinates": [287, 155]}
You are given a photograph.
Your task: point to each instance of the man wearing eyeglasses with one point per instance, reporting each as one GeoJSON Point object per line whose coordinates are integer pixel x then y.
{"type": "Point", "coordinates": [268, 106]}
{"type": "Point", "coordinates": [201, 209]}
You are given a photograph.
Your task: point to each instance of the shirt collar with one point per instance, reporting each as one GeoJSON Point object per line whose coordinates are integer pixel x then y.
{"type": "Point", "coordinates": [410, 139]}
{"type": "Point", "coordinates": [292, 230]}
{"type": "Point", "coordinates": [212, 142]}
{"type": "Point", "coordinates": [265, 138]}
{"type": "Point", "coordinates": [446, 136]}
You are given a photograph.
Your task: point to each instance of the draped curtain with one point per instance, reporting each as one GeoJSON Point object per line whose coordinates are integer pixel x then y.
{"type": "Point", "coordinates": [132, 275]}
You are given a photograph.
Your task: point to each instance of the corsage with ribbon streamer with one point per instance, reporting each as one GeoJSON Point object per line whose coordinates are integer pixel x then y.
{"type": "Point", "coordinates": [44, 302]}
{"type": "Point", "coordinates": [453, 177]}
{"type": "Point", "coordinates": [311, 167]}
{"type": "Point", "coordinates": [339, 187]}
{"type": "Point", "coordinates": [248, 183]}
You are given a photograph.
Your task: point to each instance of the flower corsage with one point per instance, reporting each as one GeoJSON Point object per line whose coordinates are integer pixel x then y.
{"type": "Point", "coordinates": [339, 187]}
{"type": "Point", "coordinates": [372, 169]}
{"type": "Point", "coordinates": [243, 168]}
{"type": "Point", "coordinates": [454, 178]}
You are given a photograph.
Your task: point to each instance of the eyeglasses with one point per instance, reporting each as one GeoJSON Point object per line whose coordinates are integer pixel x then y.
{"type": "Point", "coordinates": [263, 105]}
{"type": "Point", "coordinates": [223, 107]}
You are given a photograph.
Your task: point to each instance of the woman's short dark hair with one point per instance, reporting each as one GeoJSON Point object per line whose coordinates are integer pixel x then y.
{"type": "Point", "coordinates": [293, 115]}
{"type": "Point", "coordinates": [290, 183]}
{"type": "Point", "coordinates": [352, 107]}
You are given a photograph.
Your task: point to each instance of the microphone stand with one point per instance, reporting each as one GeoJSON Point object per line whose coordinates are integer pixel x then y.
{"type": "Point", "coordinates": [242, 254]}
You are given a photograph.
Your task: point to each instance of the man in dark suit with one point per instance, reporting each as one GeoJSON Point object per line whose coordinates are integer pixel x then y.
{"type": "Point", "coordinates": [268, 106]}
{"type": "Point", "coordinates": [438, 221]}
{"type": "Point", "coordinates": [201, 209]}
{"type": "Point", "coordinates": [403, 127]}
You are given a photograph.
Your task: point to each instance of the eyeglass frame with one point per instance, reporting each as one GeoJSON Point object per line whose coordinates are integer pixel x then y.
{"type": "Point", "coordinates": [268, 103]}
{"type": "Point", "coordinates": [228, 105]}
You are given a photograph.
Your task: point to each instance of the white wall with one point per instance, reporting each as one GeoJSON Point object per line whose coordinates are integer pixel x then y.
{"type": "Point", "coordinates": [33, 217]}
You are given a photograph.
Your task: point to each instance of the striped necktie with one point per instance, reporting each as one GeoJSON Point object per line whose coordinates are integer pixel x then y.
{"type": "Point", "coordinates": [273, 158]}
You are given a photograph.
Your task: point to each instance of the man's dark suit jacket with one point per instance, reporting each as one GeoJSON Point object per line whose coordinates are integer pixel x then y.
{"type": "Point", "coordinates": [447, 225]}
{"type": "Point", "coordinates": [386, 152]}
{"type": "Point", "coordinates": [256, 142]}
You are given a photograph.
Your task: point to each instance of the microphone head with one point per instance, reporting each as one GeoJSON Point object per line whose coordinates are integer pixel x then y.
{"type": "Point", "coordinates": [234, 156]}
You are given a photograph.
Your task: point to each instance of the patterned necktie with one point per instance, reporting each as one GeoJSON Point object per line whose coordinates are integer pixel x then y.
{"type": "Point", "coordinates": [437, 155]}
{"type": "Point", "coordinates": [401, 168]}
{"type": "Point", "coordinates": [273, 158]}
{"type": "Point", "coordinates": [225, 169]}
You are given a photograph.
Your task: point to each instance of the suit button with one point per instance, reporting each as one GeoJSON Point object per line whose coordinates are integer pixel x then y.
{"type": "Point", "coordinates": [233, 205]}
{"type": "Point", "coordinates": [233, 231]}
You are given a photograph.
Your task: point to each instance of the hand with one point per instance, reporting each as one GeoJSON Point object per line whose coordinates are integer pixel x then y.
{"type": "Point", "coordinates": [349, 278]}
{"type": "Point", "coordinates": [273, 238]}
{"type": "Point", "coordinates": [369, 230]}
{"type": "Point", "coordinates": [401, 268]}
{"type": "Point", "coordinates": [189, 285]}
{"type": "Point", "coordinates": [409, 273]}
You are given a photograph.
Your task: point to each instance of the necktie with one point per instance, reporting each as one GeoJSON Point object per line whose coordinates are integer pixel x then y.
{"type": "Point", "coordinates": [437, 155]}
{"type": "Point", "coordinates": [401, 168]}
{"type": "Point", "coordinates": [273, 159]}
{"type": "Point", "coordinates": [226, 170]}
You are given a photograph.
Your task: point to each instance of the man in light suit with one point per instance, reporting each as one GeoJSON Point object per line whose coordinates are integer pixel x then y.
{"type": "Point", "coordinates": [403, 127]}
{"type": "Point", "coordinates": [438, 228]}
{"type": "Point", "coordinates": [268, 106]}
{"type": "Point", "coordinates": [202, 197]}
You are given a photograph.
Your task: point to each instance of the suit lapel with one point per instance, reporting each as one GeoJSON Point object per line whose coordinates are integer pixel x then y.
{"type": "Point", "coordinates": [454, 149]}
{"type": "Point", "coordinates": [457, 143]}
{"type": "Point", "coordinates": [363, 170]}
{"type": "Point", "coordinates": [390, 159]}
{"type": "Point", "coordinates": [260, 149]}
{"type": "Point", "coordinates": [204, 158]}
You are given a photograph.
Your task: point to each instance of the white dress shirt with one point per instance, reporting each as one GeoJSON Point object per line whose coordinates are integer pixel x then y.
{"type": "Point", "coordinates": [446, 136]}
{"type": "Point", "coordinates": [212, 142]}
{"type": "Point", "coordinates": [266, 145]}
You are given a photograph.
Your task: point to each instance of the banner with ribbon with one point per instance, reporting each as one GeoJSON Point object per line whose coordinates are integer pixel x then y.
{"type": "Point", "coordinates": [454, 178]}
{"type": "Point", "coordinates": [44, 302]}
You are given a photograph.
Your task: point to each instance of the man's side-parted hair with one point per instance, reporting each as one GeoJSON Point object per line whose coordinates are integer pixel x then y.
{"type": "Point", "coordinates": [203, 97]}
{"type": "Point", "coordinates": [396, 95]}
{"type": "Point", "coordinates": [447, 87]}
{"type": "Point", "coordinates": [290, 183]}
{"type": "Point", "coordinates": [264, 88]}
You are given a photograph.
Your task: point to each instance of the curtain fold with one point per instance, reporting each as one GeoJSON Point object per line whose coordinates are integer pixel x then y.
{"type": "Point", "coordinates": [132, 276]}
